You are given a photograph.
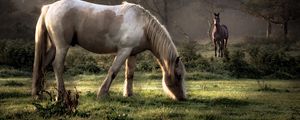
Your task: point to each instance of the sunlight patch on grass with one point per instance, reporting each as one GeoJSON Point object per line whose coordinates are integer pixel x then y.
{"type": "Point", "coordinates": [207, 99]}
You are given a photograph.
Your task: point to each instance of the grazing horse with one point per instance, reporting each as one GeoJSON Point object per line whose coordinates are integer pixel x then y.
{"type": "Point", "coordinates": [219, 36]}
{"type": "Point", "coordinates": [127, 30]}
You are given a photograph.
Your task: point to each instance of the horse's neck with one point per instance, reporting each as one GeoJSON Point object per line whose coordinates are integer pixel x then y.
{"type": "Point", "coordinates": [218, 27]}
{"type": "Point", "coordinates": [166, 56]}
{"type": "Point", "coordinates": [161, 44]}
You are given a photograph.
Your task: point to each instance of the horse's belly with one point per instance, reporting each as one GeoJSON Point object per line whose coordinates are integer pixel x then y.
{"type": "Point", "coordinates": [98, 46]}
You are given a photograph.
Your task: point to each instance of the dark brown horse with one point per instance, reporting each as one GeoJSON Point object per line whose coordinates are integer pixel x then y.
{"type": "Point", "coordinates": [219, 36]}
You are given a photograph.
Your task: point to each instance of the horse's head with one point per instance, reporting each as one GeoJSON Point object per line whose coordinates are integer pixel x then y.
{"type": "Point", "coordinates": [174, 81]}
{"type": "Point", "coordinates": [216, 18]}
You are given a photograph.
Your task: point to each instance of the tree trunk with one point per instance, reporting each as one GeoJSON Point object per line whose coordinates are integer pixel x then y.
{"type": "Point", "coordinates": [269, 29]}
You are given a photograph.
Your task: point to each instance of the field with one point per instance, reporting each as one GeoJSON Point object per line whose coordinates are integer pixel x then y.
{"type": "Point", "coordinates": [207, 99]}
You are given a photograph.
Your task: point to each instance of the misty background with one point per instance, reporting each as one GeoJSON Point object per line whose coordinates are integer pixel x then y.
{"type": "Point", "coordinates": [185, 19]}
{"type": "Point", "coordinates": [263, 37]}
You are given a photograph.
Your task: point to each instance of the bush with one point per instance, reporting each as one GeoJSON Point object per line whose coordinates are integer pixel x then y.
{"type": "Point", "coordinates": [273, 63]}
{"type": "Point", "coordinates": [146, 62]}
{"type": "Point", "coordinates": [192, 60]}
{"type": "Point", "coordinates": [238, 67]}
{"type": "Point", "coordinates": [84, 68]}
{"type": "Point", "coordinates": [80, 63]}
{"type": "Point", "coordinates": [17, 53]}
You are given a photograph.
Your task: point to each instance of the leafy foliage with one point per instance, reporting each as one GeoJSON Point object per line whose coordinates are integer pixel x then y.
{"type": "Point", "coordinates": [67, 106]}
{"type": "Point", "coordinates": [146, 62]}
{"type": "Point", "coordinates": [238, 67]}
{"type": "Point", "coordinates": [80, 63]}
{"type": "Point", "coordinates": [17, 53]}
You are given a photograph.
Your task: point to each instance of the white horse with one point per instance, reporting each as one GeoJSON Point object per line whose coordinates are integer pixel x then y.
{"type": "Point", "coordinates": [126, 29]}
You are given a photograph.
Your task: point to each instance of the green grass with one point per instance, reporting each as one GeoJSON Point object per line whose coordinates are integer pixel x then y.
{"type": "Point", "coordinates": [208, 99]}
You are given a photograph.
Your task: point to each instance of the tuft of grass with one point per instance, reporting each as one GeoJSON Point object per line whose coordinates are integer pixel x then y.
{"type": "Point", "coordinates": [67, 106]}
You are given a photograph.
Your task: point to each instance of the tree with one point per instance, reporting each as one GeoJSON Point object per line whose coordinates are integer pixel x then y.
{"type": "Point", "coordinates": [274, 12]}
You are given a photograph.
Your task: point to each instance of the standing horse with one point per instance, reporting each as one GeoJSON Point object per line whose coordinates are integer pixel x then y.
{"type": "Point", "coordinates": [126, 29]}
{"type": "Point", "coordinates": [219, 36]}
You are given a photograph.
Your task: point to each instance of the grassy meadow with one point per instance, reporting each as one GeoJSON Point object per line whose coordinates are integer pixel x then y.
{"type": "Point", "coordinates": [208, 98]}
{"type": "Point", "coordinates": [255, 81]}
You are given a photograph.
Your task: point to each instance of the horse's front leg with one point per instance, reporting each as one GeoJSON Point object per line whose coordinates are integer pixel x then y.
{"type": "Point", "coordinates": [113, 71]}
{"type": "Point", "coordinates": [215, 48]}
{"type": "Point", "coordinates": [58, 67]}
{"type": "Point", "coordinates": [129, 72]}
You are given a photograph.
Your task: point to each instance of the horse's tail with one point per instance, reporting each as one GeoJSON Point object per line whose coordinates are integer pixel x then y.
{"type": "Point", "coordinates": [41, 35]}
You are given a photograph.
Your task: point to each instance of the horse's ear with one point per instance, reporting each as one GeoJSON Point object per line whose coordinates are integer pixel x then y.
{"type": "Point", "coordinates": [215, 14]}
{"type": "Point", "coordinates": [218, 14]}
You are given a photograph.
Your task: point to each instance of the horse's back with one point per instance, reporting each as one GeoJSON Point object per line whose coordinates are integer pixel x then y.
{"type": "Point", "coordinates": [225, 31]}
{"type": "Point", "coordinates": [97, 28]}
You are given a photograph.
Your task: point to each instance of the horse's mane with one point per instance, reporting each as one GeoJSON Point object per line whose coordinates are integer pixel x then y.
{"type": "Point", "coordinates": [160, 39]}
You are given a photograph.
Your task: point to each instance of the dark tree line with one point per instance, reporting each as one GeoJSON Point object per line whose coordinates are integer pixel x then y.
{"type": "Point", "coordinates": [16, 24]}
{"type": "Point", "coordinates": [280, 12]}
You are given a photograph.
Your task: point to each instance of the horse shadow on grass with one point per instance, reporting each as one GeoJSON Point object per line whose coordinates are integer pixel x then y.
{"type": "Point", "coordinates": [150, 103]}
{"type": "Point", "coordinates": [17, 95]}
{"type": "Point", "coordinates": [141, 99]}
{"type": "Point", "coordinates": [110, 105]}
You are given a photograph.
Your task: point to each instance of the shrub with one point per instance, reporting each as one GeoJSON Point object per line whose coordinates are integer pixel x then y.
{"type": "Point", "coordinates": [273, 63]}
{"type": "Point", "coordinates": [17, 53]}
{"type": "Point", "coordinates": [67, 106]}
{"type": "Point", "coordinates": [191, 59]}
{"type": "Point", "coordinates": [146, 62]}
{"type": "Point", "coordinates": [79, 63]}
{"type": "Point", "coordinates": [238, 67]}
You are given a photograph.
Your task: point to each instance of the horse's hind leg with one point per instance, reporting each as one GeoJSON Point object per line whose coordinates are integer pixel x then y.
{"type": "Point", "coordinates": [58, 67]}
{"type": "Point", "coordinates": [226, 43]}
{"type": "Point", "coordinates": [215, 48]}
{"type": "Point", "coordinates": [222, 48]}
{"type": "Point", "coordinates": [129, 72]}
{"type": "Point", "coordinates": [113, 71]}
{"type": "Point", "coordinates": [218, 48]}
{"type": "Point", "coordinates": [38, 86]}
